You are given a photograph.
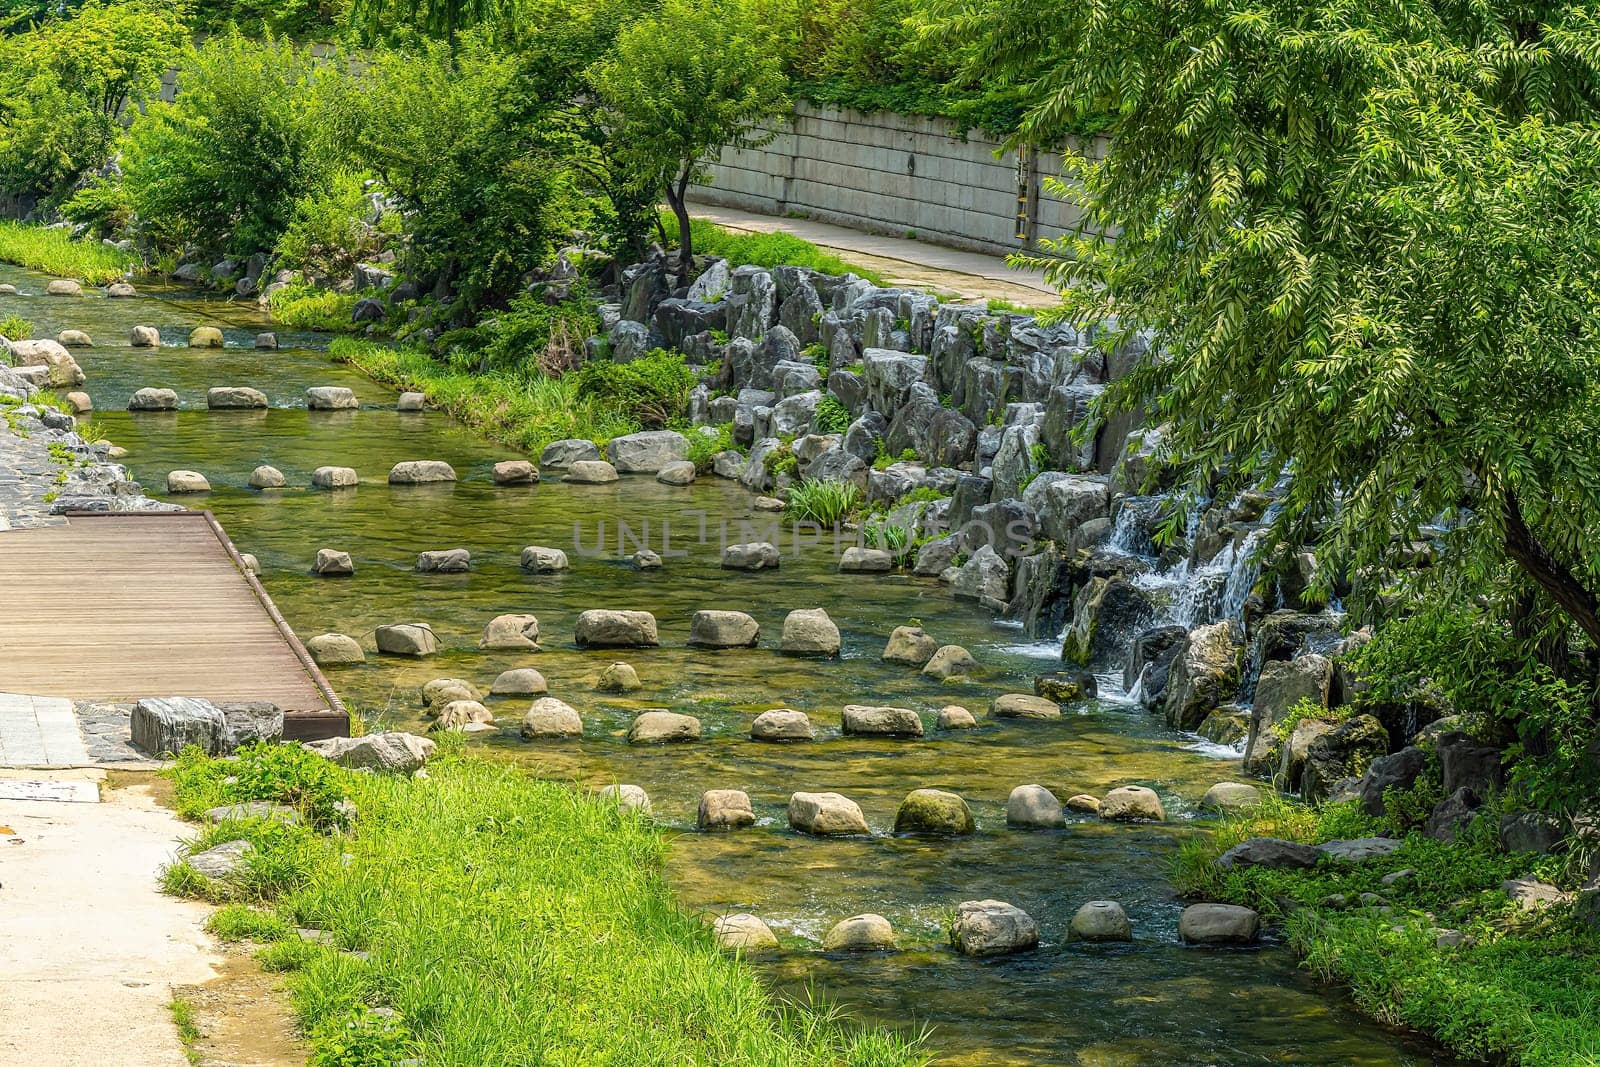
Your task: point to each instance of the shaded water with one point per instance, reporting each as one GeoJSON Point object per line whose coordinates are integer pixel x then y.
{"type": "Point", "coordinates": [1150, 1002]}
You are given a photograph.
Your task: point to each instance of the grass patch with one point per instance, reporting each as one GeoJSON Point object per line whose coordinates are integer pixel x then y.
{"type": "Point", "coordinates": [240, 922]}
{"type": "Point", "coordinates": [1523, 989]}
{"type": "Point", "coordinates": [55, 252]}
{"type": "Point", "coordinates": [825, 503]}
{"type": "Point", "coordinates": [15, 328]}
{"type": "Point", "coordinates": [305, 307]}
{"type": "Point", "coordinates": [523, 409]}
{"type": "Point", "coordinates": [502, 919]}
{"type": "Point", "coordinates": [765, 249]}
{"type": "Point", "coordinates": [183, 1017]}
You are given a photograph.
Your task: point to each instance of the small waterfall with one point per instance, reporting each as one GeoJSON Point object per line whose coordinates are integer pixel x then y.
{"type": "Point", "coordinates": [1130, 530]}
{"type": "Point", "coordinates": [1246, 568]}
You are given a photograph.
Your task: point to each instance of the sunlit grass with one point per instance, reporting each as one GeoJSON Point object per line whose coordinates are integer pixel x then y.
{"type": "Point", "coordinates": [55, 252]}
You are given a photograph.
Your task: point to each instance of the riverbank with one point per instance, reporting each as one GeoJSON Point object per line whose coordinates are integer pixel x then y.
{"type": "Point", "coordinates": [1474, 941]}
{"type": "Point", "coordinates": [480, 916]}
{"type": "Point", "coordinates": [53, 250]}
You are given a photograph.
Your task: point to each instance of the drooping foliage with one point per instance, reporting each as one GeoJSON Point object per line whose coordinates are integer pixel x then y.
{"type": "Point", "coordinates": [1334, 221]}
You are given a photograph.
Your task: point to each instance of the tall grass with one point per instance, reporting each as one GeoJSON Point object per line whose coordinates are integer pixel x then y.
{"type": "Point", "coordinates": [764, 249]}
{"type": "Point", "coordinates": [504, 920]}
{"type": "Point", "coordinates": [526, 411]}
{"type": "Point", "coordinates": [305, 307]}
{"type": "Point", "coordinates": [55, 252]}
{"type": "Point", "coordinates": [825, 503]}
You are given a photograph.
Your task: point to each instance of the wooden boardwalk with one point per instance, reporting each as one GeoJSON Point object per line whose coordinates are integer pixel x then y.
{"type": "Point", "coordinates": [121, 606]}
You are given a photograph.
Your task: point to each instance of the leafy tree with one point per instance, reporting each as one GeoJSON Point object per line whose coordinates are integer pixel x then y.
{"type": "Point", "coordinates": [250, 133]}
{"type": "Point", "coordinates": [682, 83]}
{"type": "Point", "coordinates": [64, 85]}
{"type": "Point", "coordinates": [1365, 241]}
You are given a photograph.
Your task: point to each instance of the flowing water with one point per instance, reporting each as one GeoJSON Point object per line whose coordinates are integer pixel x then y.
{"type": "Point", "coordinates": [1148, 1002]}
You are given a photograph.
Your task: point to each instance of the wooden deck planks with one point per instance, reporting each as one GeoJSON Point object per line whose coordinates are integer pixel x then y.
{"type": "Point", "coordinates": [116, 607]}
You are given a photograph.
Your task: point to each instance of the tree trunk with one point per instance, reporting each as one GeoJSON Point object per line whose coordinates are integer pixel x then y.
{"type": "Point", "coordinates": [676, 192]}
{"type": "Point", "coordinates": [1554, 578]}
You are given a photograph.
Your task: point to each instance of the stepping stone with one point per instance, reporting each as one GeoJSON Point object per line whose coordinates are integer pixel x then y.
{"type": "Point", "coordinates": [234, 397]}
{"type": "Point", "coordinates": [628, 797]}
{"type": "Point", "coordinates": [148, 399]}
{"type": "Point", "coordinates": [144, 337]}
{"type": "Point", "coordinates": [590, 472]}
{"type": "Point", "coordinates": [724, 809]}
{"type": "Point", "coordinates": [645, 560]}
{"type": "Point", "coordinates": [335, 478]}
{"type": "Point", "coordinates": [858, 560]}
{"type": "Point", "coordinates": [537, 559]}
{"type": "Point", "coordinates": [205, 337]}
{"type": "Point", "coordinates": [79, 402]}
{"type": "Point", "coordinates": [1218, 924]}
{"type": "Point", "coordinates": [755, 556]}
{"type": "Point", "coordinates": [619, 678]}
{"type": "Point", "coordinates": [949, 661]}
{"type": "Point", "coordinates": [411, 402]}
{"type": "Point", "coordinates": [333, 563]}
{"type": "Point", "coordinates": [934, 811]}
{"type": "Point", "coordinates": [782, 724]}
{"type": "Point", "coordinates": [515, 472]}
{"type": "Point", "coordinates": [956, 717]}
{"type": "Point", "coordinates": [511, 632]}
{"type": "Point", "coordinates": [406, 639]}
{"type": "Point", "coordinates": [1101, 920]}
{"type": "Point", "coordinates": [464, 716]}
{"type": "Point", "coordinates": [601, 628]}
{"type": "Point", "coordinates": [1084, 803]}
{"type": "Point", "coordinates": [1034, 807]}
{"type": "Point", "coordinates": [519, 682]}
{"type": "Point", "coordinates": [74, 339]}
{"type": "Point", "coordinates": [444, 561]}
{"type": "Point", "coordinates": [187, 482]}
{"type": "Point", "coordinates": [566, 453]}
{"type": "Point", "coordinates": [826, 815]}
{"type": "Point", "coordinates": [331, 398]}
{"type": "Point", "coordinates": [860, 933]}
{"type": "Point", "coordinates": [1132, 803]}
{"type": "Point", "coordinates": [809, 632]}
{"type": "Point", "coordinates": [659, 726]}
{"type": "Point", "coordinates": [442, 691]}
{"type": "Point", "coordinates": [63, 287]}
{"type": "Point", "coordinates": [335, 650]}
{"type": "Point", "coordinates": [549, 717]}
{"type": "Point", "coordinates": [992, 928]}
{"type": "Point", "coordinates": [744, 933]}
{"type": "Point", "coordinates": [874, 721]}
{"type": "Point", "coordinates": [266, 340]}
{"type": "Point", "coordinates": [265, 477]}
{"type": "Point", "coordinates": [723, 629]}
{"type": "Point", "coordinates": [910, 646]}
{"type": "Point", "coordinates": [121, 291]}
{"type": "Point", "coordinates": [1023, 706]}
{"type": "Point", "coordinates": [421, 472]}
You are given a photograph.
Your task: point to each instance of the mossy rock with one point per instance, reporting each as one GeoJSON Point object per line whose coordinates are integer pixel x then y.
{"type": "Point", "coordinates": [933, 811]}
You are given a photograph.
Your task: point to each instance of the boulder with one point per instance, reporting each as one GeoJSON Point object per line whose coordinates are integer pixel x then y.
{"type": "Point", "coordinates": [549, 717]}
{"type": "Point", "coordinates": [266, 340]}
{"type": "Point", "coordinates": [1101, 920]}
{"type": "Point", "coordinates": [421, 472]}
{"type": "Point", "coordinates": [1132, 803]}
{"type": "Point", "coordinates": [723, 629]}
{"type": "Point", "coordinates": [754, 556]}
{"type": "Point", "coordinates": [411, 402]}
{"type": "Point", "coordinates": [646, 452]}
{"type": "Point", "coordinates": [149, 399]}
{"type": "Point", "coordinates": [1397, 771]}
{"type": "Point", "coordinates": [234, 398]}
{"type": "Point", "coordinates": [591, 472]}
{"type": "Point", "coordinates": [1023, 706]}
{"type": "Point", "coordinates": [519, 682]}
{"type": "Point", "coordinates": [933, 811]}
{"type": "Point", "coordinates": [79, 402]}
{"type": "Point", "coordinates": [809, 632]}
{"type": "Point", "coordinates": [74, 339]}
{"type": "Point", "coordinates": [910, 646]}
{"type": "Point", "coordinates": [265, 477]}
{"type": "Point", "coordinates": [781, 724]}
{"type": "Point", "coordinates": [1530, 894]}
{"type": "Point", "coordinates": [331, 398]}
{"type": "Point", "coordinates": [222, 862]}
{"type": "Point", "coordinates": [1066, 687]}
{"type": "Point", "coordinates": [187, 482]}
{"type": "Point", "coordinates": [567, 452]}
{"type": "Point", "coordinates": [1283, 684]}
{"type": "Point", "coordinates": [949, 661]}
{"type": "Point", "coordinates": [985, 577]}
{"type": "Point", "coordinates": [120, 291]}
{"type": "Point", "coordinates": [724, 809]}
{"type": "Point", "coordinates": [1346, 751]}
{"type": "Point", "coordinates": [860, 933]}
{"type": "Point", "coordinates": [955, 717]}
{"type": "Point", "coordinates": [1359, 850]}
{"type": "Point", "coordinates": [1150, 662]}
{"type": "Point", "coordinates": [992, 928]}
{"type": "Point", "coordinates": [464, 716]}
{"type": "Point", "coordinates": [335, 478]}
{"type": "Point", "coordinates": [63, 287]}
{"type": "Point", "coordinates": [601, 628]}
{"type": "Point", "coordinates": [1034, 807]}
{"type": "Point", "coordinates": [1294, 751]}
{"type": "Point", "coordinates": [61, 370]}
{"type": "Point", "coordinates": [1204, 675]}
{"type": "Point", "coordinates": [826, 815]}
{"type": "Point", "coordinates": [628, 797]}
{"type": "Point", "coordinates": [513, 631]}
{"type": "Point", "coordinates": [744, 933]}
{"type": "Point", "coordinates": [1218, 924]}
{"type": "Point", "coordinates": [1530, 831]}
{"type": "Point", "coordinates": [205, 337]}
{"type": "Point", "coordinates": [406, 639]}
{"type": "Point", "coordinates": [1065, 504]}
{"type": "Point", "coordinates": [515, 472]}
{"type": "Point", "coordinates": [1105, 612]}
{"type": "Point", "coordinates": [881, 721]}
{"type": "Point", "coordinates": [335, 650]}
{"type": "Point", "coordinates": [1468, 764]}
{"type": "Point", "coordinates": [442, 691]}
{"type": "Point", "coordinates": [1270, 852]}
{"type": "Point", "coordinates": [659, 726]}
{"type": "Point", "coordinates": [1227, 725]}
{"type": "Point", "coordinates": [1452, 815]}
{"type": "Point", "coordinates": [390, 753]}
{"type": "Point", "coordinates": [858, 560]}
{"type": "Point", "coordinates": [537, 559]}
{"type": "Point", "coordinates": [171, 724]}
{"type": "Point", "coordinates": [679, 472]}
{"type": "Point", "coordinates": [618, 678]}
{"type": "Point", "coordinates": [1230, 796]}
{"type": "Point", "coordinates": [333, 563]}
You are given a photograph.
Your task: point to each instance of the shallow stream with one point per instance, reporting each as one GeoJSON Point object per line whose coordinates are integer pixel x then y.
{"type": "Point", "coordinates": [1148, 1002]}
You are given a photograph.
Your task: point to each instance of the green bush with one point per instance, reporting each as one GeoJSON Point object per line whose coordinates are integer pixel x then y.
{"type": "Point", "coordinates": [653, 389]}
{"type": "Point", "coordinates": [825, 503]}
{"type": "Point", "coordinates": [530, 335]}
{"type": "Point", "coordinates": [703, 447]}
{"type": "Point", "coordinates": [327, 233]}
{"type": "Point", "coordinates": [306, 307]}
{"type": "Point", "coordinates": [831, 416]}
{"type": "Point", "coordinates": [15, 328]}
{"type": "Point", "coordinates": [101, 205]}
{"type": "Point", "coordinates": [254, 132]}
{"type": "Point", "coordinates": [361, 1037]}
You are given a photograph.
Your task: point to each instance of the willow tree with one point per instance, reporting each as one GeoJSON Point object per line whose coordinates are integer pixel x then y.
{"type": "Point", "coordinates": [1365, 240]}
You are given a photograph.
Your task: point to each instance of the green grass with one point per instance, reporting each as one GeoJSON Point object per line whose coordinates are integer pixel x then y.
{"type": "Point", "coordinates": [1524, 990]}
{"type": "Point", "coordinates": [503, 919]}
{"type": "Point", "coordinates": [240, 922]}
{"type": "Point", "coordinates": [765, 249]}
{"type": "Point", "coordinates": [188, 1029]}
{"type": "Point", "coordinates": [304, 307]}
{"type": "Point", "coordinates": [516, 408]}
{"type": "Point", "coordinates": [55, 252]}
{"type": "Point", "coordinates": [825, 503]}
{"type": "Point", "coordinates": [15, 328]}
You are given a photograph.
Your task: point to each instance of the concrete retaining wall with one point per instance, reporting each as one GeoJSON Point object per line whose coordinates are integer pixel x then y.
{"type": "Point", "coordinates": [895, 174]}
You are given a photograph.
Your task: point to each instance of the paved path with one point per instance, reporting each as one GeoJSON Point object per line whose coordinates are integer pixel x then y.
{"type": "Point", "coordinates": [39, 732]}
{"type": "Point", "coordinates": [91, 949]}
{"type": "Point", "coordinates": [902, 261]}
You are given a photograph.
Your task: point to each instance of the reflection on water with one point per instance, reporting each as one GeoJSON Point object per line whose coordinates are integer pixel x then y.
{"type": "Point", "coordinates": [1151, 1002]}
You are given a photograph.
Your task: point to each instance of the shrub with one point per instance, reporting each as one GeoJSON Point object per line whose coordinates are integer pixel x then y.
{"type": "Point", "coordinates": [825, 503]}
{"type": "Point", "coordinates": [15, 328]}
{"type": "Point", "coordinates": [361, 1037]}
{"type": "Point", "coordinates": [653, 389]}
{"type": "Point", "coordinates": [830, 416]}
{"type": "Point", "coordinates": [703, 447]}
{"type": "Point", "coordinates": [101, 205]}
{"type": "Point", "coordinates": [531, 335]}
{"type": "Point", "coordinates": [305, 307]}
{"type": "Point", "coordinates": [327, 232]}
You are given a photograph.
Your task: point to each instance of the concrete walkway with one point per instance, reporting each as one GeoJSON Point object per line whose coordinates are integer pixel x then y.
{"type": "Point", "coordinates": [39, 732]}
{"type": "Point", "coordinates": [91, 949]}
{"type": "Point", "coordinates": [901, 260]}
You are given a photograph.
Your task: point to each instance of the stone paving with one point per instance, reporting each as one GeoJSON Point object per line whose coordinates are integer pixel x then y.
{"type": "Point", "coordinates": [39, 732]}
